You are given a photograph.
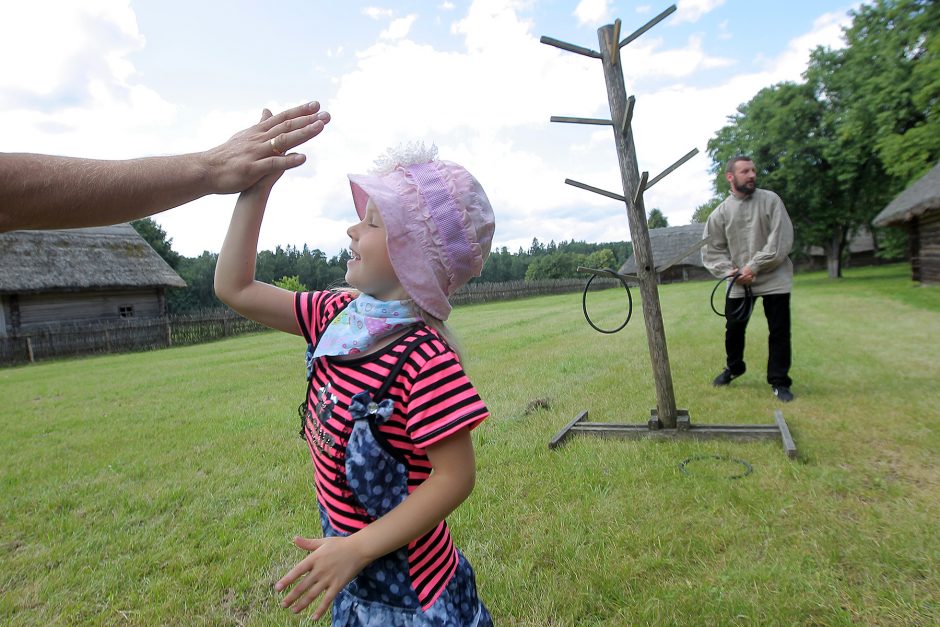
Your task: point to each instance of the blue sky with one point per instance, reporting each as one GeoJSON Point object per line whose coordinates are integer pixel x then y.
{"type": "Point", "coordinates": [115, 79]}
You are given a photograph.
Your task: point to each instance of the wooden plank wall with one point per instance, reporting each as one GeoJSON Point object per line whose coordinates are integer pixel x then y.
{"type": "Point", "coordinates": [55, 308]}
{"type": "Point", "coordinates": [929, 245]}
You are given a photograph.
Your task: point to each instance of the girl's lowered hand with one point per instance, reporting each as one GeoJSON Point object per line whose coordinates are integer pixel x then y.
{"type": "Point", "coordinates": [332, 563]}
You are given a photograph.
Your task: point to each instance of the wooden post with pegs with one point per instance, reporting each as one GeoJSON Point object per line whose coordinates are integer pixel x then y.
{"type": "Point", "coordinates": [666, 419]}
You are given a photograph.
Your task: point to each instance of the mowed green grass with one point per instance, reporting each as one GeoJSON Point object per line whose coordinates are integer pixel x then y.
{"type": "Point", "coordinates": [164, 487]}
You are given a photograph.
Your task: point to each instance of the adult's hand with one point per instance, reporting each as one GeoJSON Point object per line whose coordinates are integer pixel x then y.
{"type": "Point", "coordinates": [260, 150]}
{"type": "Point", "coordinates": [747, 276]}
{"type": "Point", "coordinates": [50, 192]}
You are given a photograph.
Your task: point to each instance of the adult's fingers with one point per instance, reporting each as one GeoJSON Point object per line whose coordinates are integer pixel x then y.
{"type": "Point", "coordinates": [309, 108]}
{"type": "Point", "coordinates": [291, 133]}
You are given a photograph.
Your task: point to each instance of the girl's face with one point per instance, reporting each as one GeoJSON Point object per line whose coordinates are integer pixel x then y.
{"type": "Point", "coordinates": [370, 270]}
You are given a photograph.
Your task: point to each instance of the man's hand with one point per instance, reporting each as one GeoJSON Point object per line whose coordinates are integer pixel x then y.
{"type": "Point", "coordinates": [747, 277]}
{"type": "Point", "coordinates": [259, 150]}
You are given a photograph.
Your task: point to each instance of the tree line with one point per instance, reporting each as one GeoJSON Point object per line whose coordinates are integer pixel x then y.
{"type": "Point", "coordinates": [862, 126]}
{"type": "Point", "coordinates": [311, 269]}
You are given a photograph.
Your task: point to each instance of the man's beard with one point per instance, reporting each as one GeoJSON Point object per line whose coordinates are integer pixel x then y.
{"type": "Point", "coordinates": [746, 188]}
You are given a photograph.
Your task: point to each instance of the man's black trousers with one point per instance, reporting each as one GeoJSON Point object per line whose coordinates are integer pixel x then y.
{"type": "Point", "coordinates": [777, 312]}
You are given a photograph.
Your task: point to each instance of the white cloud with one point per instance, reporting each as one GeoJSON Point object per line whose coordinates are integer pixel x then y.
{"type": "Point", "coordinates": [399, 28]}
{"type": "Point", "coordinates": [826, 31]}
{"type": "Point", "coordinates": [69, 87]}
{"type": "Point", "coordinates": [693, 10]}
{"type": "Point", "coordinates": [77, 42]}
{"type": "Point", "coordinates": [377, 13]}
{"type": "Point", "coordinates": [646, 59]}
{"type": "Point", "coordinates": [447, 6]}
{"type": "Point", "coordinates": [723, 32]}
{"type": "Point", "coordinates": [592, 11]}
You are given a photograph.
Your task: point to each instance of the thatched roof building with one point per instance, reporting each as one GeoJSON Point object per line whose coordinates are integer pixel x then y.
{"type": "Point", "coordinates": [921, 197]}
{"type": "Point", "coordinates": [79, 275]}
{"type": "Point", "coordinates": [669, 242]}
{"type": "Point", "coordinates": [81, 259]}
{"type": "Point", "coordinates": [917, 209]}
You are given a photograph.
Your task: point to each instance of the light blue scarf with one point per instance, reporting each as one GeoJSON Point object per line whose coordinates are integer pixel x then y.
{"type": "Point", "coordinates": [365, 321]}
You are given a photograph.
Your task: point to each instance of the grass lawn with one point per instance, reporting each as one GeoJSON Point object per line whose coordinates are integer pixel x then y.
{"type": "Point", "coordinates": [164, 487]}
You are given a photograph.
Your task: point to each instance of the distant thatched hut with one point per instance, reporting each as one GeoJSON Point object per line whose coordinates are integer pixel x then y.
{"type": "Point", "coordinates": [666, 244]}
{"type": "Point", "coordinates": [50, 278]}
{"type": "Point", "coordinates": [918, 209]}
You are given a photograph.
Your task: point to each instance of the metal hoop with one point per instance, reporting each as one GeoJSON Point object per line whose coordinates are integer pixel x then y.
{"type": "Point", "coordinates": [722, 458]}
{"type": "Point", "coordinates": [747, 305]}
{"type": "Point", "coordinates": [629, 303]}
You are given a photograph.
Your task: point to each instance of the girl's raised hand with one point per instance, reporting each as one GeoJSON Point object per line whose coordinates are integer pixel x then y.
{"type": "Point", "coordinates": [332, 563]}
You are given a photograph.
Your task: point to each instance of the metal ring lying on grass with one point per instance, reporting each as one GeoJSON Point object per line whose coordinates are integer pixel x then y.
{"type": "Point", "coordinates": [629, 303]}
{"type": "Point", "coordinates": [722, 458]}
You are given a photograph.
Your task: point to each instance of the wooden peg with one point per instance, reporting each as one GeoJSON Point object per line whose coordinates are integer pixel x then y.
{"type": "Point", "coordinates": [570, 47]}
{"type": "Point", "coordinates": [627, 116]}
{"type": "Point", "coordinates": [596, 190]}
{"type": "Point", "coordinates": [653, 22]}
{"type": "Point", "coordinates": [567, 120]}
{"type": "Point", "coordinates": [614, 48]}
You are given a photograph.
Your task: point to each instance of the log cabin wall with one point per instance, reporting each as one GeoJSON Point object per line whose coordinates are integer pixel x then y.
{"type": "Point", "coordinates": [52, 308]}
{"type": "Point", "coordinates": [929, 245]}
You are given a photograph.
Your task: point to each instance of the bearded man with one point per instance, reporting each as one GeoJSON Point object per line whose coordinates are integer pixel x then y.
{"type": "Point", "coordinates": [749, 237]}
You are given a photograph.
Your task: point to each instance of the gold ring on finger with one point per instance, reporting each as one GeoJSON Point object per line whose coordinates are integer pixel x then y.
{"type": "Point", "coordinates": [274, 147]}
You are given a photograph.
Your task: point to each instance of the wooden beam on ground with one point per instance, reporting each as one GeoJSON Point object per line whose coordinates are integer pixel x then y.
{"type": "Point", "coordinates": [562, 435]}
{"type": "Point", "coordinates": [788, 444]}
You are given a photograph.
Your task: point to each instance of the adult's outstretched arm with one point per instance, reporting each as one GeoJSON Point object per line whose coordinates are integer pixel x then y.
{"type": "Point", "coordinates": [50, 192]}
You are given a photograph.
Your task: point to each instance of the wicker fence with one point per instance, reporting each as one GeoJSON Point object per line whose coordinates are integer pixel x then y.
{"type": "Point", "coordinates": [512, 290]}
{"type": "Point", "coordinates": [180, 330]}
{"type": "Point", "coordinates": [121, 336]}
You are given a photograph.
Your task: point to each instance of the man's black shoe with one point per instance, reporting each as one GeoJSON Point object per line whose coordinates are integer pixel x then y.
{"type": "Point", "coordinates": [724, 378]}
{"type": "Point", "coordinates": [782, 393]}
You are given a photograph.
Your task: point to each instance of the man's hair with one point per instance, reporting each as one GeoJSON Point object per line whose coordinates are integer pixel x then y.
{"type": "Point", "coordinates": [730, 167]}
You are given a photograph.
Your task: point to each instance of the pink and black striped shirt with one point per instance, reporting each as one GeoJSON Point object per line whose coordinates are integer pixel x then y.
{"type": "Point", "coordinates": [433, 399]}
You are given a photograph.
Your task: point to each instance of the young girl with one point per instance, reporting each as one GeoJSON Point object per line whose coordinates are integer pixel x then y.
{"type": "Point", "coordinates": [389, 409]}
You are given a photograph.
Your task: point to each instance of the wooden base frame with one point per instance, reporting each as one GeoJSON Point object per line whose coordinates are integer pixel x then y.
{"type": "Point", "coordinates": [684, 429]}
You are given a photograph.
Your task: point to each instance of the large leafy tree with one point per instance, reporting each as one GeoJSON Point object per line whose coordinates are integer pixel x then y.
{"type": "Point", "coordinates": [879, 95]}
{"type": "Point", "coordinates": [882, 90]}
